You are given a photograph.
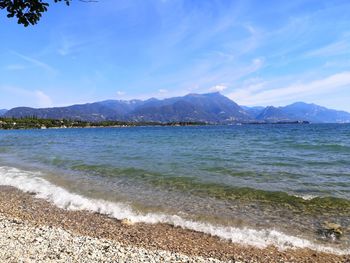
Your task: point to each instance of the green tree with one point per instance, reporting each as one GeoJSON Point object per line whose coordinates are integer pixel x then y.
{"type": "Point", "coordinates": [29, 12]}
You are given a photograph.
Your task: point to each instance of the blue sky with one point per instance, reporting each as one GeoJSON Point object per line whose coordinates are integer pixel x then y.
{"type": "Point", "coordinates": [254, 52]}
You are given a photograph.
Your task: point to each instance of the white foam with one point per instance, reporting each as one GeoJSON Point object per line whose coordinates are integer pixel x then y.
{"type": "Point", "coordinates": [307, 197]}
{"type": "Point", "coordinates": [32, 182]}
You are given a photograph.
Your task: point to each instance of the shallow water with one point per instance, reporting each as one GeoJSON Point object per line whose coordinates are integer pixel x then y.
{"type": "Point", "coordinates": [283, 178]}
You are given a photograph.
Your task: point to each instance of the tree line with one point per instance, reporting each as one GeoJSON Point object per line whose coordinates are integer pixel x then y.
{"type": "Point", "coordinates": [35, 123]}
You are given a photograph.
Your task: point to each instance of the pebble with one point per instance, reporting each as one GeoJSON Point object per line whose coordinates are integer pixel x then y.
{"type": "Point", "coordinates": [21, 242]}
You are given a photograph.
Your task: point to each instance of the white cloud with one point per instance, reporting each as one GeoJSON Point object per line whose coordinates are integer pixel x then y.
{"type": "Point", "coordinates": [43, 100]}
{"type": "Point", "coordinates": [163, 91]}
{"type": "Point", "coordinates": [218, 88]}
{"type": "Point", "coordinates": [36, 98]}
{"type": "Point", "coordinates": [260, 94]}
{"type": "Point", "coordinates": [120, 93]}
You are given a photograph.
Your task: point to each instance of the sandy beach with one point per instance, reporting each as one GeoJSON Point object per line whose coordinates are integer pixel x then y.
{"type": "Point", "coordinates": [33, 230]}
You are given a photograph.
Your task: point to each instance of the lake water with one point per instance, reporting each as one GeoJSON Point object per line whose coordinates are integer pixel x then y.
{"type": "Point", "coordinates": [255, 184]}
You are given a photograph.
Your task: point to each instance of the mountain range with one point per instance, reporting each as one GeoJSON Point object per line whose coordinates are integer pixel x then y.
{"type": "Point", "coordinates": [209, 108]}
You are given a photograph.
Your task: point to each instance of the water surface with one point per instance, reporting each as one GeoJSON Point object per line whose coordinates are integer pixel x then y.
{"type": "Point", "coordinates": [285, 178]}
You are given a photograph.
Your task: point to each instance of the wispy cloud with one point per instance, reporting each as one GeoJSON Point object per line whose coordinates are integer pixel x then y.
{"type": "Point", "coordinates": [333, 49]}
{"type": "Point", "coordinates": [261, 94]}
{"type": "Point", "coordinates": [43, 100]}
{"type": "Point", "coordinates": [69, 45]}
{"type": "Point", "coordinates": [14, 67]}
{"type": "Point", "coordinates": [66, 47]}
{"type": "Point", "coordinates": [36, 62]}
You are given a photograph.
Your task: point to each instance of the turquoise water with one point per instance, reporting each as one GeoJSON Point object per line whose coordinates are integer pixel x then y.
{"type": "Point", "coordinates": [290, 178]}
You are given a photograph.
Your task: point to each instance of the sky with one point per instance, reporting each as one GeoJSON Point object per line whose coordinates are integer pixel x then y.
{"type": "Point", "coordinates": [254, 52]}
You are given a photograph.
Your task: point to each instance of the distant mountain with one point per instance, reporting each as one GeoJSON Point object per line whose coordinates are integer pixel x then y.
{"type": "Point", "coordinates": [303, 111]}
{"type": "Point", "coordinates": [2, 112]}
{"type": "Point", "coordinates": [315, 113]}
{"type": "Point", "coordinates": [89, 112]}
{"type": "Point", "coordinates": [210, 107]}
{"type": "Point", "coordinates": [253, 111]}
{"type": "Point", "coordinates": [273, 114]}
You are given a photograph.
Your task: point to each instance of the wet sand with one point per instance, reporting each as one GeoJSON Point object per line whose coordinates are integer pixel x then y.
{"type": "Point", "coordinates": [36, 213]}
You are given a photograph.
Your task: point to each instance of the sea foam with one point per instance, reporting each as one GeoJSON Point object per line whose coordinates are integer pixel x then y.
{"type": "Point", "coordinates": [33, 182]}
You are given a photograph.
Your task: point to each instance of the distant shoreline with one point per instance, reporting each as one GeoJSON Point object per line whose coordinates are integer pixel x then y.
{"type": "Point", "coordinates": [35, 123]}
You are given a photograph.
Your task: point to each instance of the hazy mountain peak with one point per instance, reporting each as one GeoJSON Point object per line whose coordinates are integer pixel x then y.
{"type": "Point", "coordinates": [273, 114]}
{"type": "Point", "coordinates": [152, 99]}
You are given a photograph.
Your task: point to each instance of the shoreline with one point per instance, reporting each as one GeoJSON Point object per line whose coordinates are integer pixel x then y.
{"type": "Point", "coordinates": [27, 123]}
{"type": "Point", "coordinates": [15, 204]}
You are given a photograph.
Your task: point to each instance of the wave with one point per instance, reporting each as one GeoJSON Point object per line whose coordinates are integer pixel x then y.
{"type": "Point", "coordinates": [34, 183]}
{"type": "Point", "coordinates": [217, 190]}
{"type": "Point", "coordinates": [306, 196]}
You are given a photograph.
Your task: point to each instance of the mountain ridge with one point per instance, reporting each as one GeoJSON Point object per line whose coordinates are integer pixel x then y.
{"type": "Point", "coordinates": [208, 107]}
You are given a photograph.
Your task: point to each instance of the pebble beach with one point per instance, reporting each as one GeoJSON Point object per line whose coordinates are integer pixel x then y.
{"type": "Point", "coordinates": [33, 230]}
{"type": "Point", "coordinates": [22, 242]}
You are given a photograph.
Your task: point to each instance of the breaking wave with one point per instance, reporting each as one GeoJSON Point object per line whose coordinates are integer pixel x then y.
{"type": "Point", "coordinates": [32, 182]}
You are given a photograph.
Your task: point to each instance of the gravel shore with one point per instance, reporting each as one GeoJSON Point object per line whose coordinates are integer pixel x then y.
{"type": "Point", "coordinates": [33, 230]}
{"type": "Point", "coordinates": [21, 242]}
